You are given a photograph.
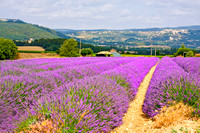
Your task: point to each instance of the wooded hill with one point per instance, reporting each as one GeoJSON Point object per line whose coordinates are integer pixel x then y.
{"type": "Point", "coordinates": [16, 29]}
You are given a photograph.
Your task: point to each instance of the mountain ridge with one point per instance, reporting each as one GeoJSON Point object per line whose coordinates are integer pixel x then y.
{"type": "Point", "coordinates": [191, 27]}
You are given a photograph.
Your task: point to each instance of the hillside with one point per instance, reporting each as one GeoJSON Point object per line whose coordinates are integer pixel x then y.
{"type": "Point", "coordinates": [168, 36]}
{"type": "Point", "coordinates": [16, 29]}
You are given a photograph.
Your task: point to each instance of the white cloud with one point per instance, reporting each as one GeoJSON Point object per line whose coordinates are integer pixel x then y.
{"type": "Point", "coordinates": [62, 8]}
{"type": "Point", "coordinates": [173, 3]}
{"type": "Point", "coordinates": [181, 12]}
{"type": "Point", "coordinates": [103, 13]}
{"type": "Point", "coordinates": [106, 7]}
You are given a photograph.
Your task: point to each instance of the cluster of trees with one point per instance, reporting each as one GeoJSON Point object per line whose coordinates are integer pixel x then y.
{"type": "Point", "coordinates": [186, 52]}
{"type": "Point", "coordinates": [86, 51]}
{"type": "Point", "coordinates": [70, 49]}
{"type": "Point", "coordinates": [8, 49]}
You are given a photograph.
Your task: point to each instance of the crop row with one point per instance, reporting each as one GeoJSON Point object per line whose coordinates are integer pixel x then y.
{"type": "Point", "coordinates": [190, 64]}
{"type": "Point", "coordinates": [75, 94]}
{"type": "Point", "coordinates": [172, 82]}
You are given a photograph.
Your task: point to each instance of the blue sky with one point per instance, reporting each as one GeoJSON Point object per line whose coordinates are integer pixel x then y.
{"type": "Point", "coordinates": [103, 14]}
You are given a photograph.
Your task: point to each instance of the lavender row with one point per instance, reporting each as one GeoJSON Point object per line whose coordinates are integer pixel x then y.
{"type": "Point", "coordinates": [169, 83]}
{"type": "Point", "coordinates": [189, 64]}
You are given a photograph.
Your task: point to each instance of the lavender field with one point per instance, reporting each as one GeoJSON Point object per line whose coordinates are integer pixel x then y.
{"type": "Point", "coordinates": [76, 94]}
{"type": "Point", "coordinates": [90, 94]}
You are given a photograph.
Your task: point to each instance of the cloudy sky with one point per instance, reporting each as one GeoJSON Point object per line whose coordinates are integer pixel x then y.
{"type": "Point", "coordinates": [103, 14]}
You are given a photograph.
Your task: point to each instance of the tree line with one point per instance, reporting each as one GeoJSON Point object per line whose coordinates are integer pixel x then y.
{"type": "Point", "coordinates": [70, 48]}
{"type": "Point", "coordinates": [55, 44]}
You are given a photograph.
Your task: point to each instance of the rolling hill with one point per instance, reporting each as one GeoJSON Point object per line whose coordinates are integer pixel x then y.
{"type": "Point", "coordinates": [16, 29]}
{"type": "Point", "coordinates": [167, 36]}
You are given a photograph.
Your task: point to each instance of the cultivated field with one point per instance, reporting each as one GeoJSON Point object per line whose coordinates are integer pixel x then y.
{"type": "Point", "coordinates": [97, 94]}
{"type": "Point", "coordinates": [30, 48]}
{"type": "Point", "coordinates": [34, 55]}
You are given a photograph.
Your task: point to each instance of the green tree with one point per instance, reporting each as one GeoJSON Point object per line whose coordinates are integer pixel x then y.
{"type": "Point", "coordinates": [190, 54]}
{"type": "Point", "coordinates": [181, 51]}
{"type": "Point", "coordinates": [86, 51]}
{"type": "Point", "coordinates": [8, 49]}
{"type": "Point", "coordinates": [158, 52]}
{"type": "Point", "coordinates": [69, 48]}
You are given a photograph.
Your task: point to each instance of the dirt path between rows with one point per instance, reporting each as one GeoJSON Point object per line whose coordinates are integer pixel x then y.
{"type": "Point", "coordinates": [134, 118]}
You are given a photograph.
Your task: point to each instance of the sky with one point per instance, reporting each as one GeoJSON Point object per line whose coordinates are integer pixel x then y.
{"type": "Point", "coordinates": [103, 14]}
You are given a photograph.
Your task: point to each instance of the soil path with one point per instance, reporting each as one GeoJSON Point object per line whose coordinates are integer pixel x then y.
{"type": "Point", "coordinates": [134, 118]}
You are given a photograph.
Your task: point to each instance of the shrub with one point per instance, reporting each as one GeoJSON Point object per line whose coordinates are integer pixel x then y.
{"type": "Point", "coordinates": [170, 115]}
{"type": "Point", "coordinates": [190, 54]}
{"type": "Point", "coordinates": [86, 51]}
{"type": "Point", "coordinates": [8, 49]}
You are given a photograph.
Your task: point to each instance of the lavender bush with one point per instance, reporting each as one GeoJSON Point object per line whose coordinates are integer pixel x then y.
{"type": "Point", "coordinates": [64, 89]}
{"type": "Point", "coordinates": [170, 82]}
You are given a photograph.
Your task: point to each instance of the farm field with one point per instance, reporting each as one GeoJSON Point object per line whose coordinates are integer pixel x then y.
{"type": "Point", "coordinates": [93, 94]}
{"type": "Point", "coordinates": [30, 48]}
{"type": "Point", "coordinates": [31, 52]}
{"type": "Point", "coordinates": [34, 55]}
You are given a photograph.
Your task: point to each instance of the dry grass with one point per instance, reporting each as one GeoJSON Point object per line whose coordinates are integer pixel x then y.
{"type": "Point", "coordinates": [35, 55]}
{"type": "Point", "coordinates": [45, 126]}
{"type": "Point", "coordinates": [30, 48]}
{"type": "Point", "coordinates": [177, 119]}
{"type": "Point", "coordinates": [42, 126]}
{"type": "Point", "coordinates": [172, 114]}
